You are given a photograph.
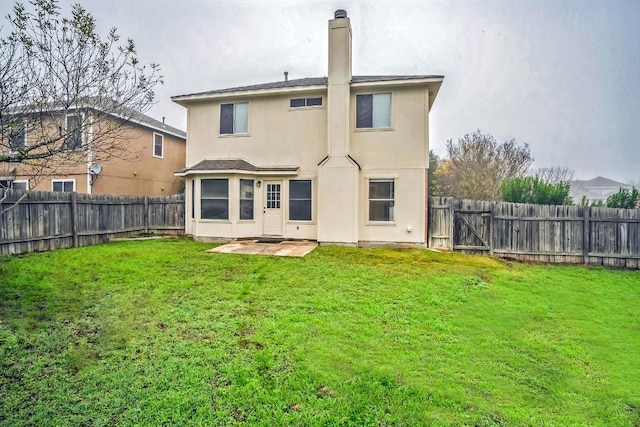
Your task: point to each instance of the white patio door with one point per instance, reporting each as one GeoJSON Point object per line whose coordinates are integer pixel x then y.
{"type": "Point", "coordinates": [272, 208]}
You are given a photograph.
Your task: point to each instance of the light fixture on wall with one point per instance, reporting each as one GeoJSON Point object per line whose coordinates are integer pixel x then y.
{"type": "Point", "coordinates": [259, 183]}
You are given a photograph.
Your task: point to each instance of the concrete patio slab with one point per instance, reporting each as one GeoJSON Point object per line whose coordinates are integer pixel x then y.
{"type": "Point", "coordinates": [295, 248]}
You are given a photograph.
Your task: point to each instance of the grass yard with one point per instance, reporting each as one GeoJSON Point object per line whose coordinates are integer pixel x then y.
{"type": "Point", "coordinates": [160, 333]}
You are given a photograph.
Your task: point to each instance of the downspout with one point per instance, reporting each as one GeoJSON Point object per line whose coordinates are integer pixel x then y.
{"type": "Point", "coordinates": [89, 154]}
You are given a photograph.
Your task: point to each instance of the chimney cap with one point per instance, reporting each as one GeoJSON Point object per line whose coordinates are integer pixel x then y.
{"type": "Point", "coordinates": [340, 14]}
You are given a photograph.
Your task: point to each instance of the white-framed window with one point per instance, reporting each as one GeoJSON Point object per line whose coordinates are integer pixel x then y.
{"type": "Point", "coordinates": [20, 185]}
{"type": "Point", "coordinates": [214, 199]}
{"type": "Point", "coordinates": [373, 110]}
{"type": "Point", "coordinates": [73, 137]}
{"type": "Point", "coordinates": [300, 196]}
{"type": "Point", "coordinates": [17, 136]}
{"type": "Point", "coordinates": [234, 118]}
{"type": "Point", "coordinates": [65, 185]}
{"type": "Point", "coordinates": [246, 199]}
{"type": "Point", "coordinates": [305, 102]}
{"type": "Point", "coordinates": [381, 200]}
{"type": "Point", "coordinates": [158, 145]}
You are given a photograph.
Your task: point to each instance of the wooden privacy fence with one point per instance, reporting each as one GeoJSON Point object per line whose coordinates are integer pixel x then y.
{"type": "Point", "coordinates": [566, 234]}
{"type": "Point", "coordinates": [41, 221]}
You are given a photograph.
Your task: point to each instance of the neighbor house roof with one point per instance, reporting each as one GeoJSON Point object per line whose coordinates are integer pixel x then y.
{"type": "Point", "coordinates": [235, 165]}
{"type": "Point", "coordinates": [598, 188]}
{"type": "Point", "coordinates": [306, 83]}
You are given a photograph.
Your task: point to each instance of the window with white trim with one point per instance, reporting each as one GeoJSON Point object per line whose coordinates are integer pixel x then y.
{"type": "Point", "coordinates": [17, 136]}
{"type": "Point", "coordinates": [214, 199]}
{"type": "Point", "coordinates": [305, 102]}
{"type": "Point", "coordinates": [300, 200]}
{"type": "Point", "coordinates": [73, 137]}
{"type": "Point", "coordinates": [158, 145]}
{"type": "Point", "coordinates": [20, 185]}
{"type": "Point", "coordinates": [246, 199]}
{"type": "Point", "coordinates": [64, 185]}
{"type": "Point", "coordinates": [373, 110]}
{"type": "Point", "coordinates": [381, 200]}
{"type": "Point", "coordinates": [234, 118]}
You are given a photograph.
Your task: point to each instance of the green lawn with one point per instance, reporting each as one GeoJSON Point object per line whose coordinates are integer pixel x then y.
{"type": "Point", "coordinates": [161, 333]}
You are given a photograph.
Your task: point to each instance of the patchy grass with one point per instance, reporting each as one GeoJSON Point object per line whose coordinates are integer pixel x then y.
{"type": "Point", "coordinates": [160, 333]}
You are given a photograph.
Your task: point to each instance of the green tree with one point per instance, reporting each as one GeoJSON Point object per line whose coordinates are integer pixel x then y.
{"type": "Point", "coordinates": [531, 189]}
{"type": "Point", "coordinates": [435, 189]}
{"type": "Point", "coordinates": [477, 164]}
{"type": "Point", "coordinates": [624, 198]}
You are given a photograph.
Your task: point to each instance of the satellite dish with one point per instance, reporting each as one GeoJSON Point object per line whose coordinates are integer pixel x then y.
{"type": "Point", "coordinates": [95, 168]}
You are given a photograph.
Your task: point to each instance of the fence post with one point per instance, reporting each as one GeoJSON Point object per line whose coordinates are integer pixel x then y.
{"type": "Point", "coordinates": [586, 235]}
{"type": "Point", "coordinates": [492, 215]}
{"type": "Point", "coordinates": [146, 214]}
{"type": "Point", "coordinates": [74, 218]}
{"type": "Point", "coordinates": [452, 225]}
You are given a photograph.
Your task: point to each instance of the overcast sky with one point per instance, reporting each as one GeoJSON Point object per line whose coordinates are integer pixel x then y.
{"type": "Point", "coordinates": [561, 76]}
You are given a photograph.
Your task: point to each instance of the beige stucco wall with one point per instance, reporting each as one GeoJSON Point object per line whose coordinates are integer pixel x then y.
{"type": "Point", "coordinates": [278, 135]}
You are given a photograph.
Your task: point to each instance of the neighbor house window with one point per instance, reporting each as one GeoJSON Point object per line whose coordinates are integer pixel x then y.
{"type": "Point", "coordinates": [234, 118]}
{"type": "Point", "coordinates": [373, 110]}
{"type": "Point", "coordinates": [73, 138]}
{"type": "Point", "coordinates": [381, 199]}
{"type": "Point", "coordinates": [300, 200]}
{"type": "Point", "coordinates": [17, 137]}
{"type": "Point", "coordinates": [158, 144]}
{"type": "Point", "coordinates": [246, 199]}
{"type": "Point", "coordinates": [65, 185]}
{"type": "Point", "coordinates": [20, 185]}
{"type": "Point", "coordinates": [305, 102]}
{"type": "Point", "coordinates": [214, 199]}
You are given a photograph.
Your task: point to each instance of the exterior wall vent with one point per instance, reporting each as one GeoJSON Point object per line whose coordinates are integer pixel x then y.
{"type": "Point", "coordinates": [340, 14]}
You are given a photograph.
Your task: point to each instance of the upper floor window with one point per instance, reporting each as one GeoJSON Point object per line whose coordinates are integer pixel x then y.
{"type": "Point", "coordinates": [66, 185]}
{"type": "Point", "coordinates": [373, 110]}
{"type": "Point", "coordinates": [158, 144]}
{"type": "Point", "coordinates": [73, 138]}
{"type": "Point", "coordinates": [305, 102]}
{"type": "Point", "coordinates": [381, 200]}
{"type": "Point", "coordinates": [234, 118]}
{"type": "Point", "coordinates": [17, 136]}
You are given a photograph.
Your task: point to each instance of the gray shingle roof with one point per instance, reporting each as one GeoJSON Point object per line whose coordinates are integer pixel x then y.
{"type": "Point", "coordinates": [235, 164]}
{"type": "Point", "coordinates": [307, 81]}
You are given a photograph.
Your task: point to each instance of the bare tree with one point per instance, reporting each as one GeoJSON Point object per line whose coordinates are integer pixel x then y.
{"type": "Point", "coordinates": [554, 174]}
{"type": "Point", "coordinates": [66, 93]}
{"type": "Point", "coordinates": [477, 164]}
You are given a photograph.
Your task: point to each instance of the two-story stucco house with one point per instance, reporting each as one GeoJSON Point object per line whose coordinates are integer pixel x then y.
{"type": "Point", "coordinates": [338, 159]}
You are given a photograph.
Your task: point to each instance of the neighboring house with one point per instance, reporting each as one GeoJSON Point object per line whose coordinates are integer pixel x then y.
{"type": "Point", "coordinates": [154, 151]}
{"type": "Point", "coordinates": [342, 159]}
{"type": "Point", "coordinates": [596, 189]}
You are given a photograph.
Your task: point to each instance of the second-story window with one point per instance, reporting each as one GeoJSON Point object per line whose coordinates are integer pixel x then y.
{"type": "Point", "coordinates": [234, 118]}
{"type": "Point", "coordinates": [17, 136]}
{"type": "Point", "coordinates": [73, 137]}
{"type": "Point", "coordinates": [158, 144]}
{"type": "Point", "coordinates": [305, 102]}
{"type": "Point", "coordinates": [373, 110]}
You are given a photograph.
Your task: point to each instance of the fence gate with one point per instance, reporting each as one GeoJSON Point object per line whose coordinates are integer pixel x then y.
{"type": "Point", "coordinates": [472, 230]}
